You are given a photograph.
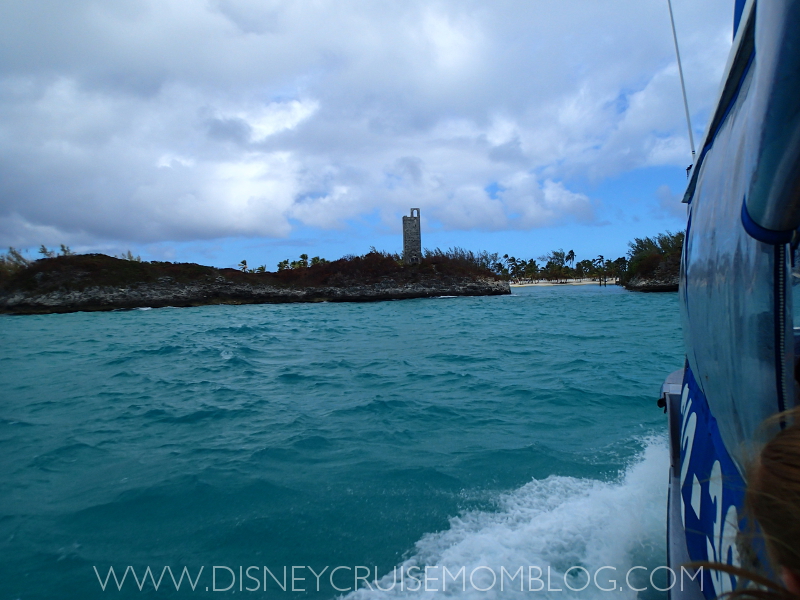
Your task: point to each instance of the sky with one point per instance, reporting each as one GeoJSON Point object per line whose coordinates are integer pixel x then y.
{"type": "Point", "coordinates": [213, 131]}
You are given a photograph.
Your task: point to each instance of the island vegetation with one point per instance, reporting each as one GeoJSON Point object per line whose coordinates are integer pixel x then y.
{"type": "Point", "coordinates": [654, 263]}
{"type": "Point", "coordinates": [18, 271]}
{"type": "Point", "coordinates": [66, 282]}
{"type": "Point", "coordinates": [651, 264]}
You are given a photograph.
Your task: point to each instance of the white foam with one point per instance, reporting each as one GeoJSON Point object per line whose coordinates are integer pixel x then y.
{"type": "Point", "coordinates": [558, 522]}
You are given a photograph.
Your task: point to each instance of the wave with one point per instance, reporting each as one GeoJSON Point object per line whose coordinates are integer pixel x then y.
{"type": "Point", "coordinates": [554, 524]}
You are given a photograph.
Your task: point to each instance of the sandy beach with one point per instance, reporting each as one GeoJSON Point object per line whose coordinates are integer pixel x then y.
{"type": "Point", "coordinates": [552, 284]}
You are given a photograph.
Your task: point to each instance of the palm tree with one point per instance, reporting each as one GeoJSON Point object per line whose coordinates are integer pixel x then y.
{"type": "Point", "coordinates": [243, 266]}
{"type": "Point", "coordinates": [516, 268]}
{"type": "Point", "coordinates": [599, 263]}
{"type": "Point", "coordinates": [532, 270]}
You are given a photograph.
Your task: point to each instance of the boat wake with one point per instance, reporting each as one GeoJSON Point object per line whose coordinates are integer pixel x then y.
{"type": "Point", "coordinates": [555, 524]}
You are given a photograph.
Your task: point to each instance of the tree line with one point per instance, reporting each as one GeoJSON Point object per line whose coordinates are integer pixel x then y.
{"type": "Point", "coordinates": [646, 257]}
{"type": "Point", "coordinates": [655, 257]}
{"type": "Point", "coordinates": [301, 263]}
{"type": "Point", "coordinates": [560, 267]}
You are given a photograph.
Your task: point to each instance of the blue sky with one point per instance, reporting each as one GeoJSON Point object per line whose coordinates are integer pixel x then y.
{"type": "Point", "coordinates": [213, 131]}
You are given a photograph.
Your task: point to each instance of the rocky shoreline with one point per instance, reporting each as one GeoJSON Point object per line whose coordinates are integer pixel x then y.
{"type": "Point", "coordinates": [223, 291]}
{"type": "Point", "coordinates": [665, 284]}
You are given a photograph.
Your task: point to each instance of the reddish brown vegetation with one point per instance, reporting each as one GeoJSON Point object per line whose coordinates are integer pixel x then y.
{"type": "Point", "coordinates": [78, 272]}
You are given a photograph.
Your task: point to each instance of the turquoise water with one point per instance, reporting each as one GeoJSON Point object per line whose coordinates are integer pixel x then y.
{"type": "Point", "coordinates": [505, 431]}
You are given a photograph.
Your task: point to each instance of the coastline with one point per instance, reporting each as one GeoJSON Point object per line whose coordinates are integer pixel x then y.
{"type": "Point", "coordinates": [664, 284]}
{"type": "Point", "coordinates": [551, 284]}
{"type": "Point", "coordinates": [173, 294]}
{"type": "Point", "coordinates": [85, 283]}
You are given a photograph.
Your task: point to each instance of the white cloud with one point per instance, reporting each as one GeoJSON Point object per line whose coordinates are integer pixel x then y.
{"type": "Point", "coordinates": [264, 121]}
{"type": "Point", "coordinates": [152, 120]}
{"type": "Point", "coordinates": [455, 41]}
{"type": "Point", "coordinates": [669, 204]}
{"type": "Point", "coordinates": [540, 205]}
{"type": "Point", "coordinates": [167, 161]}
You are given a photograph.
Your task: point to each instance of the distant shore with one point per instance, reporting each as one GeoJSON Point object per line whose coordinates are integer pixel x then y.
{"type": "Point", "coordinates": [552, 284]}
{"type": "Point", "coordinates": [669, 284]}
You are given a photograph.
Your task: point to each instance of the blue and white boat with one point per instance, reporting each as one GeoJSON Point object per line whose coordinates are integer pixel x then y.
{"type": "Point", "coordinates": [736, 295]}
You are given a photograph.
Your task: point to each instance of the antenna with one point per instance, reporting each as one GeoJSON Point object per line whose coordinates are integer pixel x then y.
{"type": "Point", "coordinates": [680, 71]}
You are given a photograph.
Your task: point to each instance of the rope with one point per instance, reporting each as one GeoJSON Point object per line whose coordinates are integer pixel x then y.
{"type": "Point", "coordinates": [680, 71]}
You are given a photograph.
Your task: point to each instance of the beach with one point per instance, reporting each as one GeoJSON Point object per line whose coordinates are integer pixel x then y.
{"type": "Point", "coordinates": [552, 284]}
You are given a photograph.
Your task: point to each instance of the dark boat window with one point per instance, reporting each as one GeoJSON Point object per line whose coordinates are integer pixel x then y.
{"type": "Point", "coordinates": [796, 296]}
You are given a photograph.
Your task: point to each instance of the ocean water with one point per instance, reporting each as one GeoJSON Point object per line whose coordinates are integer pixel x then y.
{"type": "Point", "coordinates": [483, 433]}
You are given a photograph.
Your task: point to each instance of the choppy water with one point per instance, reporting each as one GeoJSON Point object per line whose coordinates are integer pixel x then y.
{"type": "Point", "coordinates": [505, 431]}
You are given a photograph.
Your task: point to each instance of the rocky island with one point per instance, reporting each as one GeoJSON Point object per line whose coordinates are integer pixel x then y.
{"type": "Point", "coordinates": [666, 282]}
{"type": "Point", "coordinates": [96, 282]}
{"type": "Point", "coordinates": [654, 264]}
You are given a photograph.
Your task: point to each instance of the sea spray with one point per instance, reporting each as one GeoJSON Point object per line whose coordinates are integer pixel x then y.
{"type": "Point", "coordinates": [556, 531]}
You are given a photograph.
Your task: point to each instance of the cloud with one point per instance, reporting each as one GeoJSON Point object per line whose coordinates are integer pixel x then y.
{"type": "Point", "coordinates": [155, 120]}
{"type": "Point", "coordinates": [264, 121]}
{"type": "Point", "coordinates": [669, 204]}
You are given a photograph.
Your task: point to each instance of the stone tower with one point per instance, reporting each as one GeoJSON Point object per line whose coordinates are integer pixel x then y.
{"type": "Point", "coordinates": [412, 240]}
